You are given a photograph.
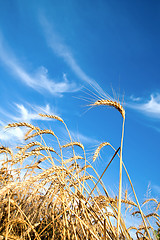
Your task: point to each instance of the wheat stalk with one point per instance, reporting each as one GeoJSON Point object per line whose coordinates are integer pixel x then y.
{"type": "Point", "coordinates": [119, 107]}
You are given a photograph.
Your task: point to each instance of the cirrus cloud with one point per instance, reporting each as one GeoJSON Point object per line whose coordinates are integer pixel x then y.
{"type": "Point", "coordinates": [149, 107]}
{"type": "Point", "coordinates": [39, 80]}
{"type": "Point", "coordinates": [60, 49]}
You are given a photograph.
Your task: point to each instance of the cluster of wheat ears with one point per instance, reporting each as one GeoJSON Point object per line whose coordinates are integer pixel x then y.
{"type": "Point", "coordinates": [54, 193]}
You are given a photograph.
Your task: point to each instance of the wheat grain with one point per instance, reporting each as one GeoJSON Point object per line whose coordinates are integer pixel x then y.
{"type": "Point", "coordinates": [73, 144]}
{"type": "Point", "coordinates": [46, 131]}
{"type": "Point", "coordinates": [112, 104]}
{"type": "Point", "coordinates": [52, 116]}
{"type": "Point", "coordinates": [26, 147]}
{"type": "Point", "coordinates": [158, 206]}
{"type": "Point", "coordinates": [149, 200]}
{"type": "Point", "coordinates": [6, 150]}
{"type": "Point", "coordinates": [44, 148]}
{"type": "Point", "coordinates": [72, 159]}
{"type": "Point", "coordinates": [99, 148]}
{"type": "Point", "coordinates": [22, 124]}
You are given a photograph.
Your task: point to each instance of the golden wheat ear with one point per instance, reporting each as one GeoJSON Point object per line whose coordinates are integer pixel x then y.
{"type": "Point", "coordinates": [51, 116]}
{"type": "Point", "coordinates": [22, 124]}
{"type": "Point", "coordinates": [98, 150]}
{"type": "Point", "coordinates": [110, 103]}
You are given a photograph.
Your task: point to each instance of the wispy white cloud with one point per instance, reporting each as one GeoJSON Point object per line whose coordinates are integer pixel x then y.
{"type": "Point", "coordinates": [62, 50]}
{"type": "Point", "coordinates": [21, 114]}
{"type": "Point", "coordinates": [12, 134]}
{"type": "Point", "coordinates": [26, 114]}
{"type": "Point", "coordinates": [39, 80]}
{"type": "Point", "coordinates": [83, 138]}
{"type": "Point", "coordinates": [135, 99]}
{"type": "Point", "coordinates": [149, 107]}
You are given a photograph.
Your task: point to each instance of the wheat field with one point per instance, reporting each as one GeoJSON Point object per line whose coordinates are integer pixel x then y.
{"type": "Point", "coordinates": [49, 190]}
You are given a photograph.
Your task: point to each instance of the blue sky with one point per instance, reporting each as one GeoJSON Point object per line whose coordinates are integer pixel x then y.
{"type": "Point", "coordinates": [58, 57]}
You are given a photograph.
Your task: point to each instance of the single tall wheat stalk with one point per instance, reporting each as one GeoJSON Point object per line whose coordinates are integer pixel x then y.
{"type": "Point", "coordinates": [119, 107]}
